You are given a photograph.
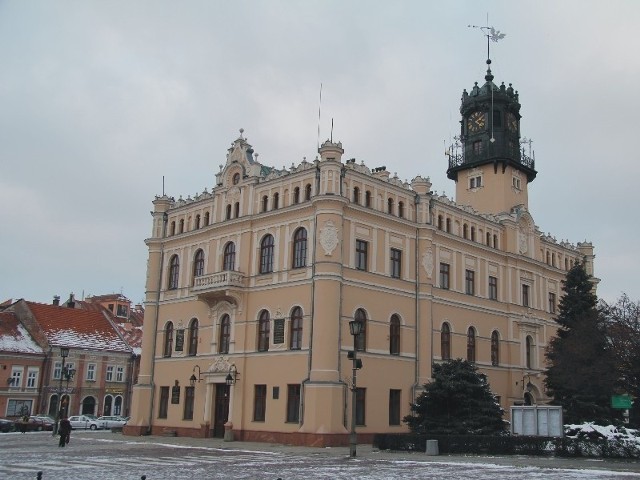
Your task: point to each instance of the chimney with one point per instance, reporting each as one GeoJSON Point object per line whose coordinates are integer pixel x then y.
{"type": "Point", "coordinates": [71, 303]}
{"type": "Point", "coordinates": [56, 300]}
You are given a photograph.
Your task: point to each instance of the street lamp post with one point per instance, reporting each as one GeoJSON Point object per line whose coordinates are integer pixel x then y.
{"type": "Point", "coordinates": [355, 328]}
{"type": "Point", "coordinates": [64, 353]}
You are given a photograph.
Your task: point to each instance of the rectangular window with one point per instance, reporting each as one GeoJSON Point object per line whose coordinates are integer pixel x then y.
{"type": "Point", "coordinates": [119, 374]}
{"type": "Point", "coordinates": [32, 378]}
{"type": "Point", "coordinates": [525, 295]}
{"type": "Point", "coordinates": [19, 408]}
{"type": "Point", "coordinates": [109, 375]}
{"type": "Point", "coordinates": [469, 282]}
{"type": "Point", "coordinates": [361, 254]}
{"type": "Point", "coordinates": [477, 147]}
{"type": "Point", "coordinates": [396, 262]}
{"type": "Point", "coordinates": [394, 407]}
{"type": "Point", "coordinates": [552, 302]}
{"type": "Point", "coordinates": [475, 182]}
{"type": "Point", "coordinates": [163, 406]}
{"type": "Point", "coordinates": [493, 288]}
{"type": "Point", "coordinates": [259, 403]}
{"type": "Point", "coordinates": [293, 403]}
{"type": "Point", "coordinates": [123, 311]}
{"type": "Point", "coordinates": [189, 397]}
{"type": "Point", "coordinates": [361, 394]}
{"type": "Point", "coordinates": [444, 276]}
{"type": "Point", "coordinates": [57, 370]}
{"type": "Point", "coordinates": [91, 372]}
{"type": "Point", "coordinates": [16, 378]}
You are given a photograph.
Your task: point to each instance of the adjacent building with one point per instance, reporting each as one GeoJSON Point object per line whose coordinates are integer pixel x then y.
{"type": "Point", "coordinates": [251, 287]}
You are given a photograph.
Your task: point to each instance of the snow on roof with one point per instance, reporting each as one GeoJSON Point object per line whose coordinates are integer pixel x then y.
{"type": "Point", "coordinates": [76, 328]}
{"type": "Point", "coordinates": [14, 337]}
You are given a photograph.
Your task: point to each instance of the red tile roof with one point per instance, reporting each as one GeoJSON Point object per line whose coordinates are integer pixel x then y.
{"type": "Point", "coordinates": [77, 328]}
{"type": "Point", "coordinates": [14, 337]}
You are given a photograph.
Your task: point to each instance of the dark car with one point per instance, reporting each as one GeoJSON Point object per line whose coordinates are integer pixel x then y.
{"type": "Point", "coordinates": [7, 425]}
{"type": "Point", "coordinates": [33, 424]}
{"type": "Point", "coordinates": [46, 421]}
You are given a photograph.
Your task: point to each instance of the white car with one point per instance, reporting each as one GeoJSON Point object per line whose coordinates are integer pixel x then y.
{"type": "Point", "coordinates": [111, 421]}
{"type": "Point", "coordinates": [86, 422]}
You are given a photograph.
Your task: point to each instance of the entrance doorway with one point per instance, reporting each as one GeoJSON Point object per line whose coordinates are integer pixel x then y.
{"type": "Point", "coordinates": [221, 409]}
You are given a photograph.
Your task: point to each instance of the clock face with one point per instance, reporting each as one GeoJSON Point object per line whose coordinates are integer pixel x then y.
{"type": "Point", "coordinates": [512, 122]}
{"type": "Point", "coordinates": [476, 122]}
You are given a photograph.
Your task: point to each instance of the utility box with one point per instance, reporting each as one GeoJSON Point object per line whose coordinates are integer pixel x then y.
{"type": "Point", "coordinates": [537, 420]}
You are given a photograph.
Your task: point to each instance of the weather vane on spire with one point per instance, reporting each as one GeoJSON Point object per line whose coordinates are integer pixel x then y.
{"type": "Point", "coordinates": [491, 33]}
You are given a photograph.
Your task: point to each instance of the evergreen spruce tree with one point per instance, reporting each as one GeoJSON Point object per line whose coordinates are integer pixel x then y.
{"type": "Point", "coordinates": [457, 402]}
{"type": "Point", "coordinates": [581, 375]}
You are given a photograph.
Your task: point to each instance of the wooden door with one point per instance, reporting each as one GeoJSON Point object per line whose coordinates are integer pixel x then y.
{"type": "Point", "coordinates": [221, 409]}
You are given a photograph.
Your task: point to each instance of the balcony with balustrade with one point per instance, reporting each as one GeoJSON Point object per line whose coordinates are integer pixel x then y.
{"type": "Point", "coordinates": [221, 286]}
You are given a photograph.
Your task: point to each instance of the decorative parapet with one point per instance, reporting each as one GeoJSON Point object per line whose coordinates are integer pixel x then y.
{"type": "Point", "coordinates": [218, 280]}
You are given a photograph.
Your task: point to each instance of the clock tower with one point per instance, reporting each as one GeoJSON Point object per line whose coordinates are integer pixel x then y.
{"type": "Point", "coordinates": [490, 169]}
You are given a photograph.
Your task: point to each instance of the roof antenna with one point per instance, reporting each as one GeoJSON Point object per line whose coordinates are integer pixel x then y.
{"type": "Point", "coordinates": [319, 110]}
{"type": "Point", "coordinates": [163, 185]}
{"type": "Point", "coordinates": [492, 35]}
{"type": "Point", "coordinates": [332, 130]}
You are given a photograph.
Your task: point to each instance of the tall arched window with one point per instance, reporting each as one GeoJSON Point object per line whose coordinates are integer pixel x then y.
{"type": "Point", "coordinates": [236, 178]}
{"type": "Point", "coordinates": [448, 223]}
{"type": "Point", "coordinates": [367, 199]}
{"type": "Point", "coordinates": [473, 234]}
{"type": "Point", "coordinates": [307, 192]}
{"type": "Point", "coordinates": [440, 222]}
{"type": "Point", "coordinates": [265, 203]}
{"type": "Point", "coordinates": [495, 348]}
{"type": "Point", "coordinates": [394, 335]}
{"type": "Point", "coordinates": [465, 229]}
{"type": "Point", "coordinates": [361, 338]}
{"type": "Point", "coordinates": [401, 209]}
{"type": "Point", "coordinates": [296, 195]}
{"type": "Point", "coordinates": [198, 264]}
{"type": "Point", "coordinates": [471, 345]}
{"type": "Point", "coordinates": [225, 334]}
{"type": "Point", "coordinates": [300, 248]}
{"type": "Point", "coordinates": [168, 339]}
{"type": "Point", "coordinates": [193, 337]}
{"type": "Point", "coordinates": [174, 272]}
{"type": "Point", "coordinates": [263, 331]}
{"type": "Point", "coordinates": [266, 254]}
{"type": "Point", "coordinates": [356, 195]}
{"type": "Point", "coordinates": [237, 210]}
{"type": "Point", "coordinates": [445, 342]}
{"type": "Point", "coordinates": [529, 352]}
{"type": "Point", "coordinates": [206, 218]}
{"type": "Point", "coordinates": [228, 212]}
{"type": "Point", "coordinates": [197, 222]}
{"type": "Point", "coordinates": [390, 205]}
{"type": "Point", "coordinates": [172, 229]}
{"type": "Point", "coordinates": [495, 241]}
{"type": "Point", "coordinates": [488, 239]}
{"type": "Point", "coordinates": [181, 225]}
{"type": "Point", "coordinates": [229, 259]}
{"type": "Point", "coordinates": [295, 342]}
{"type": "Point", "coordinates": [276, 201]}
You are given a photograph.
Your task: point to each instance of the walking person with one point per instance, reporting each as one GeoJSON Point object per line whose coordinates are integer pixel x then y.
{"type": "Point", "coordinates": [64, 430]}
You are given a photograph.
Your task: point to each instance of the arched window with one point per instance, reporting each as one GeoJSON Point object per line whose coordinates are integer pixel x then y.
{"type": "Point", "coordinates": [181, 225]}
{"type": "Point", "coordinates": [390, 206]}
{"type": "Point", "coordinates": [174, 272]}
{"type": "Point", "coordinates": [356, 195]}
{"type": "Point", "coordinates": [206, 218]}
{"type": "Point", "coordinates": [228, 212]}
{"type": "Point", "coordinates": [394, 335]}
{"type": "Point", "coordinates": [229, 259]}
{"type": "Point", "coordinates": [263, 331]}
{"type": "Point", "coordinates": [465, 229]}
{"type": "Point", "coordinates": [237, 210]}
{"type": "Point", "coordinates": [236, 178]}
{"type": "Point", "coordinates": [401, 209]}
{"type": "Point", "coordinates": [448, 225]}
{"type": "Point", "coordinates": [276, 201]}
{"type": "Point", "coordinates": [266, 254]}
{"type": "Point", "coordinates": [495, 241]}
{"type": "Point", "coordinates": [295, 337]}
{"type": "Point", "coordinates": [198, 264]}
{"type": "Point", "coordinates": [361, 338]}
{"type": "Point", "coordinates": [172, 229]}
{"type": "Point", "coordinates": [471, 345]}
{"type": "Point", "coordinates": [296, 195]}
{"type": "Point", "coordinates": [265, 203]}
{"type": "Point", "coordinates": [495, 348]}
{"type": "Point", "coordinates": [367, 199]}
{"type": "Point", "coordinates": [197, 222]}
{"type": "Point", "coordinates": [440, 222]}
{"type": "Point", "coordinates": [445, 342]}
{"type": "Point", "coordinates": [168, 339]}
{"type": "Point", "coordinates": [488, 239]}
{"type": "Point", "coordinates": [307, 192]}
{"type": "Point", "coordinates": [473, 234]}
{"type": "Point", "coordinates": [193, 337]}
{"type": "Point", "coordinates": [225, 334]}
{"type": "Point", "coordinates": [529, 352]}
{"type": "Point", "coordinates": [300, 248]}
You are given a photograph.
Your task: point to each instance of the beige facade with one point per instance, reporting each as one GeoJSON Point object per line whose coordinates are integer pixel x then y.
{"type": "Point", "coordinates": [257, 280]}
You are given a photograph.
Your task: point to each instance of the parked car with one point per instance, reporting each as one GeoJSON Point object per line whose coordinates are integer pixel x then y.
{"type": "Point", "coordinates": [110, 421]}
{"type": "Point", "coordinates": [7, 425]}
{"type": "Point", "coordinates": [42, 422]}
{"type": "Point", "coordinates": [86, 422]}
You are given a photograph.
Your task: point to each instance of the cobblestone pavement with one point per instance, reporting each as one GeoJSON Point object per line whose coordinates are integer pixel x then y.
{"type": "Point", "coordinates": [106, 456]}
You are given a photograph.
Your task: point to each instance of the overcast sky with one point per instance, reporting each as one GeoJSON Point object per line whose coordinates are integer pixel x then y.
{"type": "Point", "coordinates": [101, 99]}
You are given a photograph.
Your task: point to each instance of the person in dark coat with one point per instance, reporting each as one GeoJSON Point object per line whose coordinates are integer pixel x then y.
{"type": "Point", "coordinates": [64, 430]}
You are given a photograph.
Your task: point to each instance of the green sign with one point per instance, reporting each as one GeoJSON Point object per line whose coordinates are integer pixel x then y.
{"type": "Point", "coordinates": [621, 401]}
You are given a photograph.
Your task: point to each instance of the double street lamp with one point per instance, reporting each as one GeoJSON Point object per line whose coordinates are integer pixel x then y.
{"type": "Point", "coordinates": [355, 328]}
{"type": "Point", "coordinates": [67, 374]}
